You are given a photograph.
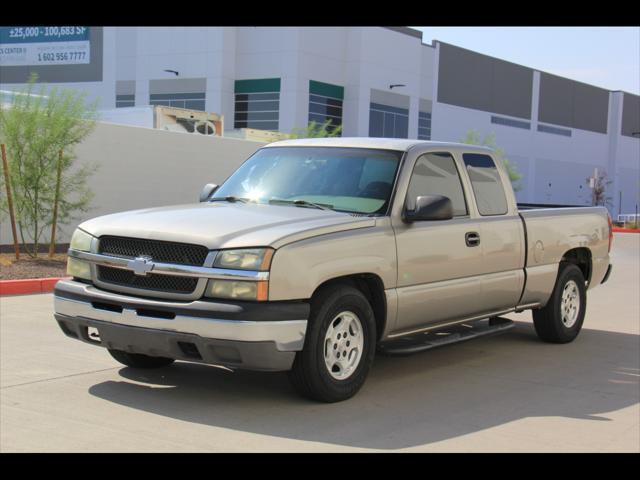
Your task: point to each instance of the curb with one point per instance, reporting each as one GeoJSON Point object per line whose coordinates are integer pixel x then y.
{"type": "Point", "coordinates": [626, 230]}
{"type": "Point", "coordinates": [29, 285]}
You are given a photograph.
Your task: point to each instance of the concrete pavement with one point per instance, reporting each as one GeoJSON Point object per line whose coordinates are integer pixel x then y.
{"type": "Point", "coordinates": [505, 393]}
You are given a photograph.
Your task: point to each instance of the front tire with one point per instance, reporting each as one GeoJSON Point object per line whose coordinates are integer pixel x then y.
{"type": "Point", "coordinates": [137, 360]}
{"type": "Point", "coordinates": [339, 346]}
{"type": "Point", "coordinates": [560, 321]}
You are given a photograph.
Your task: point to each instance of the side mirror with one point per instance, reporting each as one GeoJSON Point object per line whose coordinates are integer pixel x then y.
{"type": "Point", "coordinates": [429, 207]}
{"type": "Point", "coordinates": [206, 192]}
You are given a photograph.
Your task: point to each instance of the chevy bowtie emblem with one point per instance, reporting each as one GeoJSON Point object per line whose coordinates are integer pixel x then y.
{"type": "Point", "coordinates": [141, 265]}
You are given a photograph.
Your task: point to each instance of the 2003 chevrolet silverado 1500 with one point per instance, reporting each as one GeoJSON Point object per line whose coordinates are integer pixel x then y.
{"type": "Point", "coordinates": [316, 254]}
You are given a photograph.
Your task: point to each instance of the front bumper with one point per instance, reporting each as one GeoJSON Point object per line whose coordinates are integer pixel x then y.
{"type": "Point", "coordinates": [247, 335]}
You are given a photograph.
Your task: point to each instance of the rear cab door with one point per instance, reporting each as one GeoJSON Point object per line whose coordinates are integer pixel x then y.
{"type": "Point", "coordinates": [502, 232]}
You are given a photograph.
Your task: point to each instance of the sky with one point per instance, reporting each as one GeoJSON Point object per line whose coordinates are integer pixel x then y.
{"type": "Point", "coordinates": [607, 57]}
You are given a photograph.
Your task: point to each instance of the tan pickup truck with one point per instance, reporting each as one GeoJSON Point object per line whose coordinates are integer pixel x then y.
{"type": "Point", "coordinates": [316, 254]}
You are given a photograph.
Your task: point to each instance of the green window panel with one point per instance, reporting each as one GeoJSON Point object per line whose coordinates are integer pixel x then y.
{"type": "Point", "coordinates": [326, 89]}
{"type": "Point", "coordinates": [257, 85]}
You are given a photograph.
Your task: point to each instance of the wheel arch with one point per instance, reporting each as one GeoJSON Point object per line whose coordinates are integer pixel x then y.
{"type": "Point", "coordinates": [372, 287]}
{"type": "Point", "coordinates": [582, 258]}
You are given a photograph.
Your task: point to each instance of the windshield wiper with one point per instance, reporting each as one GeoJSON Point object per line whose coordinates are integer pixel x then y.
{"type": "Point", "coordinates": [302, 203]}
{"type": "Point", "coordinates": [230, 198]}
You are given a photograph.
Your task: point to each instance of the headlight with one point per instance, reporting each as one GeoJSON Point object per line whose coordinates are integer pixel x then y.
{"type": "Point", "coordinates": [78, 269]}
{"type": "Point", "coordinates": [244, 259]}
{"type": "Point", "coordinates": [81, 240]}
{"type": "Point", "coordinates": [238, 290]}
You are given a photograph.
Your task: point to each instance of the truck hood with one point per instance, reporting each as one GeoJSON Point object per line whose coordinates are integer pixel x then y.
{"type": "Point", "coordinates": [226, 225]}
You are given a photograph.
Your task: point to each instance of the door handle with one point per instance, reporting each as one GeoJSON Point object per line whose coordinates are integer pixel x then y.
{"type": "Point", "coordinates": [472, 239]}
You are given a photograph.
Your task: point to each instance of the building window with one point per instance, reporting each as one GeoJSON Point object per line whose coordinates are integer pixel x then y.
{"type": "Point", "coordinates": [191, 101]}
{"type": "Point", "coordinates": [424, 125]}
{"type": "Point", "coordinates": [388, 122]}
{"type": "Point", "coordinates": [257, 104]}
{"type": "Point", "coordinates": [510, 122]}
{"type": "Point", "coordinates": [125, 101]}
{"type": "Point", "coordinates": [555, 130]}
{"type": "Point", "coordinates": [325, 103]}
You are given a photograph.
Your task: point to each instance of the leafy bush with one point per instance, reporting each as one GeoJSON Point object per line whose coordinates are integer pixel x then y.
{"type": "Point", "coordinates": [317, 130]}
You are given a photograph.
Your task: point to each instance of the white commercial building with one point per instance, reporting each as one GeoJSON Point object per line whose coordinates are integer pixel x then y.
{"type": "Point", "coordinates": [374, 81]}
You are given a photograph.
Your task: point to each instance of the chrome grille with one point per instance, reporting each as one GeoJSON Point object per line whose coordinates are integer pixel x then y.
{"type": "Point", "coordinates": [159, 251]}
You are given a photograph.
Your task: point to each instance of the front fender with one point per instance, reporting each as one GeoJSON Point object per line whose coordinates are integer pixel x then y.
{"type": "Point", "coordinates": [300, 267]}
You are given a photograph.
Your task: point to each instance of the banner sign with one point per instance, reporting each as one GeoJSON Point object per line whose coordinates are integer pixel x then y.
{"type": "Point", "coordinates": [27, 46]}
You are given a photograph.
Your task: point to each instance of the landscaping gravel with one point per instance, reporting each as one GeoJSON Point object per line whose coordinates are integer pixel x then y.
{"type": "Point", "coordinates": [27, 267]}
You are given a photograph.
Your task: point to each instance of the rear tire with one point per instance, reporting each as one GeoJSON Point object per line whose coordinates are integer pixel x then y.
{"type": "Point", "coordinates": [325, 369]}
{"type": "Point", "coordinates": [137, 360]}
{"type": "Point", "coordinates": [560, 321]}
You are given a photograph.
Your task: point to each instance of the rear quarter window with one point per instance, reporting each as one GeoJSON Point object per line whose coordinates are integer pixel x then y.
{"type": "Point", "coordinates": [487, 185]}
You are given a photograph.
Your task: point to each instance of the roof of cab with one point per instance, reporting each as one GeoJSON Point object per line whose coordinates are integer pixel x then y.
{"type": "Point", "coordinates": [368, 142]}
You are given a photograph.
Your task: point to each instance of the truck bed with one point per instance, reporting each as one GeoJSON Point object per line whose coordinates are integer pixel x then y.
{"type": "Point", "coordinates": [553, 231]}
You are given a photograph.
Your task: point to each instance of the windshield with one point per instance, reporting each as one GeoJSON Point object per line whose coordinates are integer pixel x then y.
{"type": "Point", "coordinates": [353, 180]}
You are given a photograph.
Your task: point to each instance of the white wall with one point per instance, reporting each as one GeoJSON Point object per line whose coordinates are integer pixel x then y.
{"type": "Point", "coordinates": [384, 58]}
{"type": "Point", "coordinates": [140, 167]}
{"type": "Point", "coordinates": [133, 116]}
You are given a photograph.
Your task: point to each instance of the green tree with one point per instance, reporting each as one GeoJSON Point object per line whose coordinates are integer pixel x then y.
{"type": "Point", "coordinates": [317, 130]}
{"type": "Point", "coordinates": [473, 138]}
{"type": "Point", "coordinates": [35, 128]}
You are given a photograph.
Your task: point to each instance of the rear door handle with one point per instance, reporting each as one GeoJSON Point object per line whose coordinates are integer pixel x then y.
{"type": "Point", "coordinates": [472, 239]}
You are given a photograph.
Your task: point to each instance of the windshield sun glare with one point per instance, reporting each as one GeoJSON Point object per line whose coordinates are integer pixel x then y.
{"type": "Point", "coordinates": [353, 180]}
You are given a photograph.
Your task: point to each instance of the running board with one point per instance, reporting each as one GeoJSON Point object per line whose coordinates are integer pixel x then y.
{"type": "Point", "coordinates": [436, 338]}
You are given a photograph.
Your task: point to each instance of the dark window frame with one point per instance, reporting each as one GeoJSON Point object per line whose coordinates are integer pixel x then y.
{"type": "Point", "coordinates": [389, 110]}
{"type": "Point", "coordinates": [250, 103]}
{"type": "Point", "coordinates": [325, 102]}
{"type": "Point", "coordinates": [125, 100]}
{"type": "Point", "coordinates": [424, 117]}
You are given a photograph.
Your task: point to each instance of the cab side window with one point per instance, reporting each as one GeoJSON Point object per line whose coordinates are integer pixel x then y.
{"type": "Point", "coordinates": [487, 186]}
{"type": "Point", "coordinates": [436, 174]}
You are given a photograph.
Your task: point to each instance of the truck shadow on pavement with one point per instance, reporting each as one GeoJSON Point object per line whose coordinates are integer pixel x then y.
{"type": "Point", "coordinates": [407, 401]}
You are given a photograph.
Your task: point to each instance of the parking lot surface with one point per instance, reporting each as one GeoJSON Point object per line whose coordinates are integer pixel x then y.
{"type": "Point", "coordinates": [505, 393]}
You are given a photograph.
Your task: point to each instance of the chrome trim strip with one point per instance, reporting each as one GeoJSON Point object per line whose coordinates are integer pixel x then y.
{"type": "Point", "coordinates": [287, 335]}
{"type": "Point", "coordinates": [172, 269]}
